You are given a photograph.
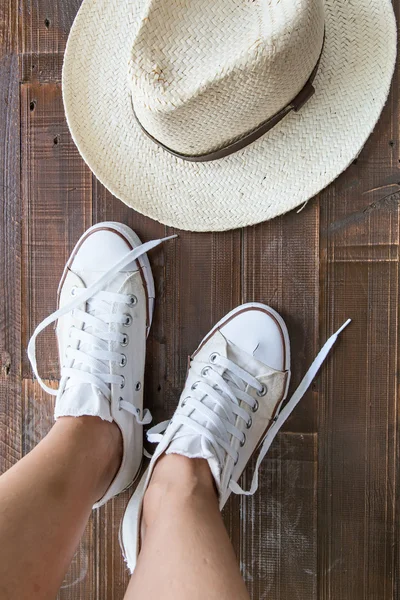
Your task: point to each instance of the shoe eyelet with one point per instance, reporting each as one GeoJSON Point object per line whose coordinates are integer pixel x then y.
{"type": "Point", "coordinates": [204, 371]}
{"type": "Point", "coordinates": [73, 290]}
{"type": "Point", "coordinates": [237, 460]}
{"type": "Point", "coordinates": [125, 340]}
{"type": "Point", "coordinates": [255, 407]}
{"type": "Point", "coordinates": [138, 386]}
{"type": "Point", "coordinates": [213, 357]}
{"type": "Point", "coordinates": [132, 300]}
{"type": "Point", "coordinates": [120, 399]}
{"type": "Point", "coordinates": [128, 320]}
{"type": "Point", "coordinates": [194, 385]}
{"type": "Point", "coordinates": [122, 362]}
{"type": "Point", "coordinates": [263, 391]}
{"type": "Point", "coordinates": [249, 423]}
{"type": "Point", "coordinates": [183, 402]}
{"type": "Point", "coordinates": [122, 384]}
{"type": "Point", "coordinates": [243, 441]}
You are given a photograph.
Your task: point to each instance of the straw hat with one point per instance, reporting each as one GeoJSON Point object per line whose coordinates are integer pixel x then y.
{"type": "Point", "coordinates": [216, 114]}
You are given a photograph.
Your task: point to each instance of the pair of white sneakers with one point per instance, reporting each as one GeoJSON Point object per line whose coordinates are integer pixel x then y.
{"type": "Point", "coordinates": [232, 402]}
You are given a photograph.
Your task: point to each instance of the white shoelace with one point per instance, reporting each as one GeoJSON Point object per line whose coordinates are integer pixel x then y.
{"type": "Point", "coordinates": [96, 335]}
{"type": "Point", "coordinates": [227, 392]}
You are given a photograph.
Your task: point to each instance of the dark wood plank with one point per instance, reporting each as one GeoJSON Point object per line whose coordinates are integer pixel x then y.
{"type": "Point", "coordinates": [280, 268]}
{"type": "Point", "coordinates": [357, 540]}
{"type": "Point", "coordinates": [43, 32]}
{"type": "Point", "coordinates": [202, 284]}
{"type": "Point", "coordinates": [278, 525]}
{"type": "Point", "coordinates": [41, 68]}
{"type": "Point", "coordinates": [10, 242]}
{"type": "Point", "coordinates": [56, 187]}
{"type": "Point", "coordinates": [44, 26]}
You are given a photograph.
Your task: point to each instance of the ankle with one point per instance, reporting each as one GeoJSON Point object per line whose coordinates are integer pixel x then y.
{"type": "Point", "coordinates": [96, 441]}
{"type": "Point", "coordinates": [176, 480]}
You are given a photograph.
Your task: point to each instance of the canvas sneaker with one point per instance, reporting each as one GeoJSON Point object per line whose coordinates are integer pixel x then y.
{"type": "Point", "coordinates": [105, 310]}
{"type": "Point", "coordinates": [232, 406]}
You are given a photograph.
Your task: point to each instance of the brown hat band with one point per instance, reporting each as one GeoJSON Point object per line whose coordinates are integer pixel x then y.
{"type": "Point", "coordinates": [295, 105]}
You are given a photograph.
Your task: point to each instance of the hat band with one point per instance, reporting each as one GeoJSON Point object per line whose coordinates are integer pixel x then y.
{"type": "Point", "coordinates": [295, 105]}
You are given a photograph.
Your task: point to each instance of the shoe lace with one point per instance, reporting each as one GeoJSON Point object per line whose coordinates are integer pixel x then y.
{"type": "Point", "coordinates": [89, 363]}
{"type": "Point", "coordinates": [227, 392]}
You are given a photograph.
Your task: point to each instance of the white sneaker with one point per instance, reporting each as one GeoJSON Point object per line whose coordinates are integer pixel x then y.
{"type": "Point", "coordinates": [106, 301]}
{"type": "Point", "coordinates": [230, 407]}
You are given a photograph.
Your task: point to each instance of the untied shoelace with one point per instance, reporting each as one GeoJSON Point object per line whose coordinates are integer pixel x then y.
{"type": "Point", "coordinates": [226, 392]}
{"type": "Point", "coordinates": [97, 300]}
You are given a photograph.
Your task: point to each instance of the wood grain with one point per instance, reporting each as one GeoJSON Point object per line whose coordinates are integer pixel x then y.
{"type": "Point", "coordinates": [10, 243]}
{"type": "Point", "coordinates": [358, 453]}
{"type": "Point", "coordinates": [56, 188]}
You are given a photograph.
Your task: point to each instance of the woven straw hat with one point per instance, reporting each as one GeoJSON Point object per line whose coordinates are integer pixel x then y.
{"type": "Point", "coordinates": [216, 114]}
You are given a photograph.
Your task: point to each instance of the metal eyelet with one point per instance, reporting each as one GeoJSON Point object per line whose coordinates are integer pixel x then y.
{"type": "Point", "coordinates": [128, 320]}
{"type": "Point", "coordinates": [236, 461]}
{"type": "Point", "coordinates": [138, 386]}
{"type": "Point", "coordinates": [255, 407]}
{"type": "Point", "coordinates": [243, 441]}
{"type": "Point", "coordinates": [122, 362]}
{"type": "Point", "coordinates": [125, 340]}
{"type": "Point", "coordinates": [213, 357]}
{"type": "Point", "coordinates": [132, 300]}
{"type": "Point", "coordinates": [194, 385]}
{"type": "Point", "coordinates": [263, 391]}
{"type": "Point", "coordinates": [122, 384]}
{"type": "Point", "coordinates": [204, 371]}
{"type": "Point", "coordinates": [249, 423]}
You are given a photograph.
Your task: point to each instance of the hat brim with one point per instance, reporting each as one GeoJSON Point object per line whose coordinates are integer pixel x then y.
{"type": "Point", "coordinates": [283, 169]}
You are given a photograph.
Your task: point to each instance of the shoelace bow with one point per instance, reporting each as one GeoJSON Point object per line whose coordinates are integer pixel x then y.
{"type": "Point", "coordinates": [96, 318]}
{"type": "Point", "coordinates": [227, 392]}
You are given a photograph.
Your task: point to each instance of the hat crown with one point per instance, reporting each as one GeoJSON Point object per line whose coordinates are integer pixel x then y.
{"type": "Point", "coordinates": [203, 73]}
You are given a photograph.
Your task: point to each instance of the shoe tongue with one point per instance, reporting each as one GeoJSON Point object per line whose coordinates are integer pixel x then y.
{"type": "Point", "coordinates": [245, 360]}
{"type": "Point", "coordinates": [83, 399]}
{"type": "Point", "coordinates": [79, 399]}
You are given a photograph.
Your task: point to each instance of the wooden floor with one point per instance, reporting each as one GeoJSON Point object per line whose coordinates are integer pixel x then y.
{"type": "Point", "coordinates": [325, 523]}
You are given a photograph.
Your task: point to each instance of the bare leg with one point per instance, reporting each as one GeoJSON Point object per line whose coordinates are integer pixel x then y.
{"type": "Point", "coordinates": [186, 553]}
{"type": "Point", "coordinates": [46, 500]}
